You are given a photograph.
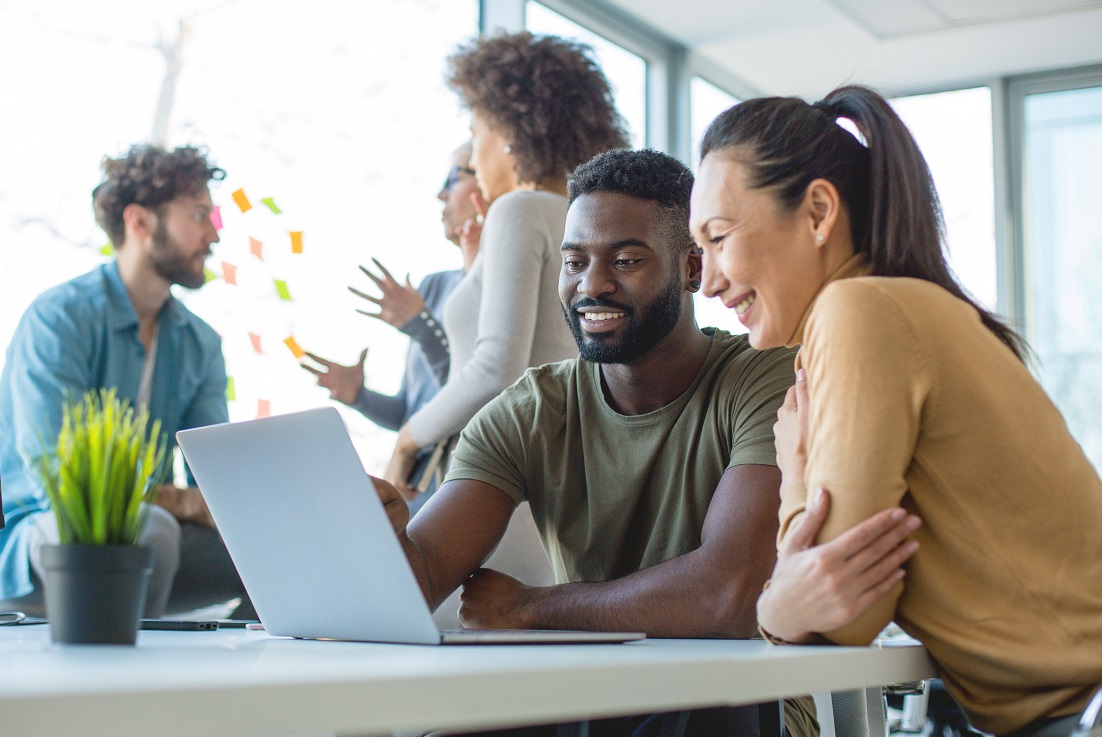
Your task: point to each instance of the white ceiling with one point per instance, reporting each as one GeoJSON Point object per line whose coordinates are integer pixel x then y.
{"type": "Point", "coordinates": [808, 47]}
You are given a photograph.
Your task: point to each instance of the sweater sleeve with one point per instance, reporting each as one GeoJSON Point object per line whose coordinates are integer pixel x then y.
{"type": "Point", "coordinates": [514, 240]}
{"type": "Point", "coordinates": [426, 329]}
{"type": "Point", "coordinates": [383, 409]}
{"type": "Point", "coordinates": [868, 381]}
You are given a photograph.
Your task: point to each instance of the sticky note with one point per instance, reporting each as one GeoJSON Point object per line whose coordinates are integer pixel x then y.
{"type": "Point", "coordinates": [231, 393]}
{"type": "Point", "coordinates": [242, 201]}
{"type": "Point", "coordinates": [263, 408]}
{"type": "Point", "coordinates": [296, 241]}
{"type": "Point", "coordinates": [282, 290]}
{"type": "Point", "coordinates": [229, 273]}
{"type": "Point", "coordinates": [108, 250]}
{"type": "Point", "coordinates": [257, 248]}
{"type": "Point", "coordinates": [256, 342]}
{"type": "Point", "coordinates": [294, 346]}
{"type": "Point", "coordinates": [208, 275]}
{"type": "Point", "coordinates": [270, 202]}
{"type": "Point", "coordinates": [216, 217]}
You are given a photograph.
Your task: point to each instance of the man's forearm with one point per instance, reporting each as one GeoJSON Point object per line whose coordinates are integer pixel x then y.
{"type": "Point", "coordinates": [185, 504]}
{"type": "Point", "coordinates": [689, 596]}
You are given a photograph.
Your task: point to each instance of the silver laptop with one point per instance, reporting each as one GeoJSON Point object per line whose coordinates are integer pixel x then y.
{"type": "Point", "coordinates": [311, 540]}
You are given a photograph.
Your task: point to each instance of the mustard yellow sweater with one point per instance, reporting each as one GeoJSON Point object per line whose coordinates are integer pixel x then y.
{"type": "Point", "coordinates": [914, 402]}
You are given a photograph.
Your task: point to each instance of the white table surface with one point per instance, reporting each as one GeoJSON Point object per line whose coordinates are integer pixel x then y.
{"type": "Point", "coordinates": [234, 683]}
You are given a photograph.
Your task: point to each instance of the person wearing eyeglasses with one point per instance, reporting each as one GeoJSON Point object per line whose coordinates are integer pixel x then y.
{"type": "Point", "coordinates": [414, 311]}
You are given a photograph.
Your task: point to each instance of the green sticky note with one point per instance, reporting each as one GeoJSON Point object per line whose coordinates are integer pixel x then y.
{"type": "Point", "coordinates": [271, 205]}
{"type": "Point", "coordinates": [281, 288]}
{"type": "Point", "coordinates": [108, 250]}
{"type": "Point", "coordinates": [209, 275]}
{"type": "Point", "coordinates": [230, 393]}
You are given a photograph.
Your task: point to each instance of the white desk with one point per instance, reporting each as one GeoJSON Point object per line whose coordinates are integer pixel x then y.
{"type": "Point", "coordinates": [233, 683]}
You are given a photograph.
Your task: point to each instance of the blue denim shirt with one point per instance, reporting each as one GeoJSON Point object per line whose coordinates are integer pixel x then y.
{"type": "Point", "coordinates": [83, 335]}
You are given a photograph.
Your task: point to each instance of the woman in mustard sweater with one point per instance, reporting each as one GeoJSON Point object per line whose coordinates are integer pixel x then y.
{"type": "Point", "coordinates": [918, 406]}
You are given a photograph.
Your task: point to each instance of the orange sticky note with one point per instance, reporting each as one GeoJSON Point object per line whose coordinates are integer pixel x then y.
{"type": "Point", "coordinates": [295, 349]}
{"type": "Point", "coordinates": [256, 342]}
{"type": "Point", "coordinates": [296, 241]}
{"type": "Point", "coordinates": [263, 408]}
{"type": "Point", "coordinates": [229, 273]}
{"type": "Point", "coordinates": [257, 248]}
{"type": "Point", "coordinates": [241, 200]}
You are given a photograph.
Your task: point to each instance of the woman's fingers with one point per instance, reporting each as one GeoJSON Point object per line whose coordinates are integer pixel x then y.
{"type": "Point", "coordinates": [365, 295]}
{"type": "Point", "coordinates": [803, 535]}
{"type": "Point", "coordinates": [327, 364]}
{"type": "Point", "coordinates": [379, 281]}
{"type": "Point", "coordinates": [888, 565]}
{"type": "Point", "coordinates": [799, 392]}
{"type": "Point", "coordinates": [383, 269]}
{"type": "Point", "coordinates": [885, 544]}
{"type": "Point", "coordinates": [857, 538]}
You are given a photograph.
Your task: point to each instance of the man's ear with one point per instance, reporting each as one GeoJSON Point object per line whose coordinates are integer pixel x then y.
{"type": "Point", "coordinates": [140, 222]}
{"type": "Point", "coordinates": [694, 263]}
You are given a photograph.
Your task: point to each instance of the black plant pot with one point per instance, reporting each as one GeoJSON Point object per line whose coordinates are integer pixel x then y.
{"type": "Point", "coordinates": [95, 594]}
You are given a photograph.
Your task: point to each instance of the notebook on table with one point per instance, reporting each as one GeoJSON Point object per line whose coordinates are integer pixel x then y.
{"type": "Point", "coordinates": [311, 540]}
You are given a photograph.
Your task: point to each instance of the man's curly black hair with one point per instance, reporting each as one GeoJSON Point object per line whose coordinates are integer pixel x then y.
{"type": "Point", "coordinates": [648, 175]}
{"type": "Point", "coordinates": [149, 176]}
{"type": "Point", "coordinates": [546, 95]}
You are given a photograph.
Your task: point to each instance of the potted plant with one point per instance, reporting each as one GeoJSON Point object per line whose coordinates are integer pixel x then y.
{"type": "Point", "coordinates": [104, 467]}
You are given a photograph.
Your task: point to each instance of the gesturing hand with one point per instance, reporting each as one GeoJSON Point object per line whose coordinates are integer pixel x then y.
{"type": "Point", "coordinates": [492, 600]}
{"type": "Point", "coordinates": [398, 304]}
{"type": "Point", "coordinates": [819, 588]}
{"type": "Point", "coordinates": [343, 382]}
{"type": "Point", "coordinates": [790, 430]}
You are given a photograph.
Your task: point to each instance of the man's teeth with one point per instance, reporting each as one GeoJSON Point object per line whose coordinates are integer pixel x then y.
{"type": "Point", "coordinates": [602, 315]}
{"type": "Point", "coordinates": [744, 305]}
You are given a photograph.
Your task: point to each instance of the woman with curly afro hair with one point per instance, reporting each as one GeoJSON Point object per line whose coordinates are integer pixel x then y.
{"type": "Point", "coordinates": [540, 106]}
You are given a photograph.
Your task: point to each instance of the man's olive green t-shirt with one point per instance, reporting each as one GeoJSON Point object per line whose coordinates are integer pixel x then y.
{"type": "Point", "coordinates": [612, 494]}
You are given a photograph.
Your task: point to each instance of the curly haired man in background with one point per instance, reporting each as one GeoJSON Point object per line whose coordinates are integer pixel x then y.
{"type": "Point", "coordinates": [119, 326]}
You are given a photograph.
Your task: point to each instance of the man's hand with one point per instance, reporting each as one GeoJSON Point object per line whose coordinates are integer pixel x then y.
{"type": "Point", "coordinates": [492, 600]}
{"type": "Point", "coordinates": [399, 304]}
{"type": "Point", "coordinates": [185, 504]}
{"type": "Point", "coordinates": [343, 382]}
{"type": "Point", "coordinates": [402, 462]}
{"type": "Point", "coordinates": [790, 431]}
{"type": "Point", "coordinates": [819, 588]}
{"type": "Point", "coordinates": [397, 511]}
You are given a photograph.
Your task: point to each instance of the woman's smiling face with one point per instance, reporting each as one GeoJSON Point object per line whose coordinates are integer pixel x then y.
{"type": "Point", "coordinates": [761, 262]}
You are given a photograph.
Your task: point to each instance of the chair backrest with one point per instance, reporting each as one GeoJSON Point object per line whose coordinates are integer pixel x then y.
{"type": "Point", "coordinates": [1090, 724]}
{"type": "Point", "coordinates": [861, 713]}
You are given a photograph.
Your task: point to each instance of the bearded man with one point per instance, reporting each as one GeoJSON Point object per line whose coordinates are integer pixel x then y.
{"type": "Point", "coordinates": [648, 462]}
{"type": "Point", "coordinates": [119, 327]}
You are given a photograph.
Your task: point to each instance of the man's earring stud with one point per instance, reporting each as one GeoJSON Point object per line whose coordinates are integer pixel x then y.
{"type": "Point", "coordinates": [695, 284]}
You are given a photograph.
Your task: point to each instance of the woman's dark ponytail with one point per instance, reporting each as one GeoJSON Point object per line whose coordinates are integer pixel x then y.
{"type": "Point", "coordinates": [885, 185]}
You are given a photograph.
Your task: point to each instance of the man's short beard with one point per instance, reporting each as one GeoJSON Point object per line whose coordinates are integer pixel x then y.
{"type": "Point", "coordinates": [169, 263]}
{"type": "Point", "coordinates": [641, 333]}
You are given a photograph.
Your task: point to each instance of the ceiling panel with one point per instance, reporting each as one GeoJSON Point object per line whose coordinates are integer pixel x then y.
{"type": "Point", "coordinates": [980, 11]}
{"type": "Point", "coordinates": [886, 19]}
{"type": "Point", "coordinates": [807, 47]}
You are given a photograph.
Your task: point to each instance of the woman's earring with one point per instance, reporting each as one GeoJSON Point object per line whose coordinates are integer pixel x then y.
{"type": "Point", "coordinates": [694, 284]}
{"type": "Point", "coordinates": [818, 237]}
{"type": "Point", "coordinates": [508, 149]}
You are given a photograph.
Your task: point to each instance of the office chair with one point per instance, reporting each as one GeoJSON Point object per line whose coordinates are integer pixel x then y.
{"type": "Point", "coordinates": [1090, 724]}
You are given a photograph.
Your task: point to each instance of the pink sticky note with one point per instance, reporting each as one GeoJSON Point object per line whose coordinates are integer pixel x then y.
{"type": "Point", "coordinates": [263, 408]}
{"type": "Point", "coordinates": [256, 342]}
{"type": "Point", "coordinates": [229, 273]}
{"type": "Point", "coordinates": [216, 217]}
{"type": "Point", "coordinates": [257, 248]}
